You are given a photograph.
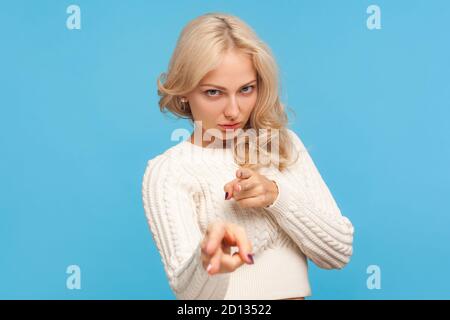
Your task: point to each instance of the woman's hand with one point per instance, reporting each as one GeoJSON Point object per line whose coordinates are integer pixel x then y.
{"type": "Point", "coordinates": [251, 189]}
{"type": "Point", "coordinates": [219, 238]}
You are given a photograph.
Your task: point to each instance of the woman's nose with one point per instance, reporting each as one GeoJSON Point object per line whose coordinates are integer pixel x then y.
{"type": "Point", "coordinates": [232, 108]}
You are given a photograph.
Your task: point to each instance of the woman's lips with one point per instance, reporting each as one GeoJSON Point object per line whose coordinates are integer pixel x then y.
{"type": "Point", "coordinates": [237, 125]}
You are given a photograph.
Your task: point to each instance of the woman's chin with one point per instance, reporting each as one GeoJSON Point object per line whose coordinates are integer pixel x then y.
{"type": "Point", "coordinates": [228, 134]}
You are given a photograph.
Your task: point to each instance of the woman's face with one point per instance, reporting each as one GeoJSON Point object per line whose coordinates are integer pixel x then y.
{"type": "Point", "coordinates": [225, 95]}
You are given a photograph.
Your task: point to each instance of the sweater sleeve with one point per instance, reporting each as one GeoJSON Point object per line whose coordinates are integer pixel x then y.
{"type": "Point", "coordinates": [308, 213]}
{"type": "Point", "coordinates": [171, 215]}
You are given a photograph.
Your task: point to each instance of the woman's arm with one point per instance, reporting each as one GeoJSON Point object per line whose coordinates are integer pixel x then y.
{"type": "Point", "coordinates": [170, 212]}
{"type": "Point", "coordinates": [308, 213]}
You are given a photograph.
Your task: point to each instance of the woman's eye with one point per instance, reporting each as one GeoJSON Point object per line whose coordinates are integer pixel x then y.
{"type": "Point", "coordinates": [248, 91]}
{"type": "Point", "coordinates": [211, 90]}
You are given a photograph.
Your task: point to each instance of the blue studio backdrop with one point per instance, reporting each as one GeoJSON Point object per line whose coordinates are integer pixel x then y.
{"type": "Point", "coordinates": [80, 118]}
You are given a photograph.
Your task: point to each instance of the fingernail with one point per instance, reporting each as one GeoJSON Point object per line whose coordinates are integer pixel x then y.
{"type": "Point", "coordinates": [250, 257]}
{"type": "Point", "coordinates": [226, 195]}
{"type": "Point", "coordinates": [239, 187]}
{"type": "Point", "coordinates": [208, 268]}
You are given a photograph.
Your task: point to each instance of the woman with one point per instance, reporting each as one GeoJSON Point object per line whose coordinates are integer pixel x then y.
{"type": "Point", "coordinates": [227, 226]}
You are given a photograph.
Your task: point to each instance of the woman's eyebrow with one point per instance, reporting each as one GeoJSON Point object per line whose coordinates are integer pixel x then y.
{"type": "Point", "coordinates": [220, 87]}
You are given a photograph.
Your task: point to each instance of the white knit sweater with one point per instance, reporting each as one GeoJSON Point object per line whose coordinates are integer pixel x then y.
{"type": "Point", "coordinates": [183, 192]}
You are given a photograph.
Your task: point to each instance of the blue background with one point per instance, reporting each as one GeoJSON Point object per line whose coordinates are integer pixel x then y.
{"type": "Point", "coordinates": [79, 120]}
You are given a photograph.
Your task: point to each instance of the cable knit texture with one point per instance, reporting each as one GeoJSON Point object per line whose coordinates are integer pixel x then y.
{"type": "Point", "coordinates": [183, 192]}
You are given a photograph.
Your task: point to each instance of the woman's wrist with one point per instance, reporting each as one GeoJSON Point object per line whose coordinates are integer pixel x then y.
{"type": "Point", "coordinates": [274, 192]}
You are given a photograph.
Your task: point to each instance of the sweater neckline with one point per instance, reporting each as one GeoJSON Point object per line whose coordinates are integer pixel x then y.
{"type": "Point", "coordinates": [206, 151]}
